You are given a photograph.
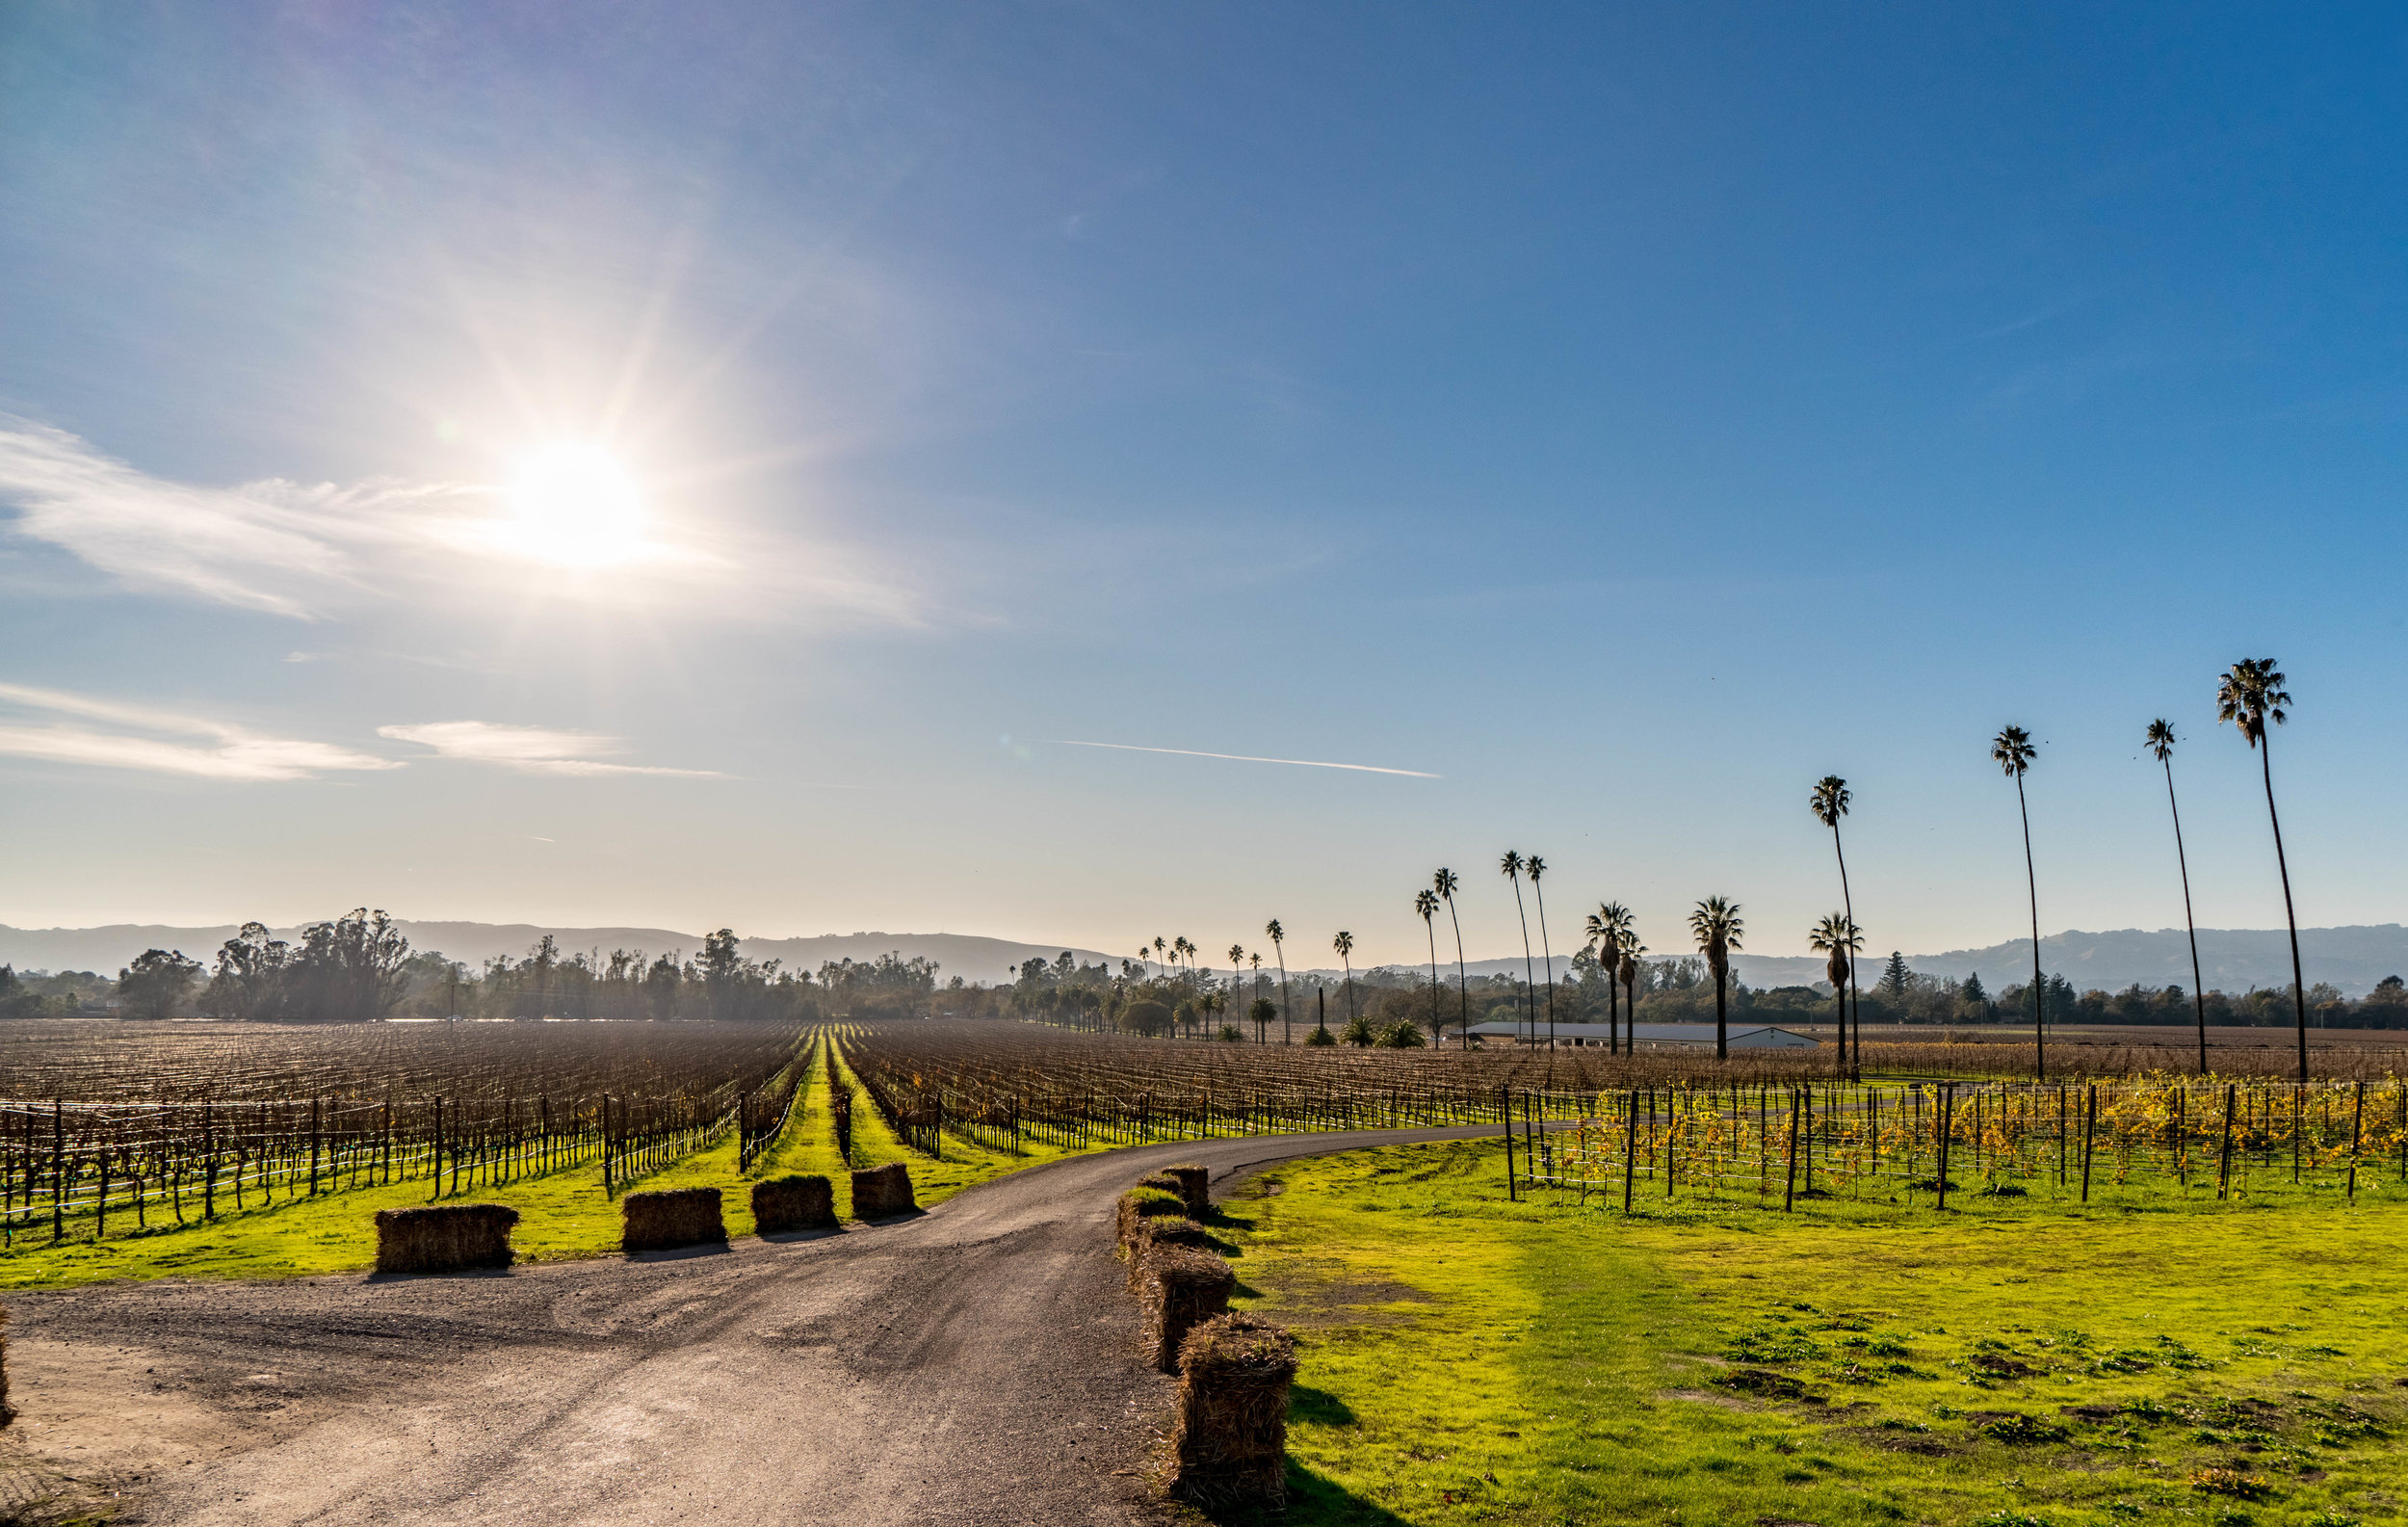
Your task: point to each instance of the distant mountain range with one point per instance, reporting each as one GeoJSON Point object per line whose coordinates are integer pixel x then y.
{"type": "Point", "coordinates": [2231, 960]}
{"type": "Point", "coordinates": [2234, 958]}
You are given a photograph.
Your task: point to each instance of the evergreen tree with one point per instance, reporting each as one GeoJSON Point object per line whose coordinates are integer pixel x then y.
{"type": "Point", "coordinates": [1974, 991]}
{"type": "Point", "coordinates": [1894, 977]}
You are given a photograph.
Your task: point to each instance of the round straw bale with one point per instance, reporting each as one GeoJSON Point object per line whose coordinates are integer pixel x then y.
{"type": "Point", "coordinates": [1230, 1439]}
{"type": "Point", "coordinates": [793, 1202]}
{"type": "Point", "coordinates": [1165, 1231]}
{"type": "Point", "coordinates": [444, 1237]}
{"type": "Point", "coordinates": [881, 1193]}
{"type": "Point", "coordinates": [1184, 1287]}
{"type": "Point", "coordinates": [656, 1221]}
{"type": "Point", "coordinates": [1196, 1185]}
{"type": "Point", "coordinates": [1145, 1203]}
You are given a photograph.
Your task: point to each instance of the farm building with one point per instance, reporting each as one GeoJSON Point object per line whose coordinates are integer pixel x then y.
{"type": "Point", "coordinates": [1584, 1035]}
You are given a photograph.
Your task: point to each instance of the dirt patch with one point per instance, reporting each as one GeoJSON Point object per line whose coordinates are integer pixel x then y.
{"type": "Point", "coordinates": [1703, 1397]}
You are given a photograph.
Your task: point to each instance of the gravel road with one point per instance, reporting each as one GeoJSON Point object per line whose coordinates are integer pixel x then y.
{"type": "Point", "coordinates": [975, 1364]}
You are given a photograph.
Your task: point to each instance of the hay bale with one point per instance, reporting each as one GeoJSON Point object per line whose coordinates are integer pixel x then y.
{"type": "Point", "coordinates": [444, 1237]}
{"type": "Point", "coordinates": [1162, 1231]}
{"type": "Point", "coordinates": [656, 1221]}
{"type": "Point", "coordinates": [1164, 1181]}
{"type": "Point", "coordinates": [881, 1193]}
{"type": "Point", "coordinates": [1229, 1445]}
{"type": "Point", "coordinates": [1196, 1185]}
{"type": "Point", "coordinates": [1183, 1288]}
{"type": "Point", "coordinates": [1140, 1204]}
{"type": "Point", "coordinates": [793, 1202]}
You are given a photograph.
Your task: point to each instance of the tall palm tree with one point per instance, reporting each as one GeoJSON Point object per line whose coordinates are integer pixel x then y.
{"type": "Point", "coordinates": [2251, 696]}
{"type": "Point", "coordinates": [1237, 969]}
{"type": "Point", "coordinates": [1425, 906]}
{"type": "Point", "coordinates": [2161, 744]}
{"type": "Point", "coordinates": [1510, 867]}
{"type": "Point", "coordinates": [1606, 927]}
{"type": "Point", "coordinates": [1181, 946]}
{"type": "Point", "coordinates": [1344, 943]}
{"type": "Point", "coordinates": [1445, 884]}
{"type": "Point", "coordinates": [1715, 925]}
{"type": "Point", "coordinates": [1534, 867]}
{"type": "Point", "coordinates": [1632, 949]}
{"type": "Point", "coordinates": [1837, 935]}
{"type": "Point", "coordinates": [1829, 801]}
{"type": "Point", "coordinates": [1278, 943]}
{"type": "Point", "coordinates": [2012, 750]}
{"type": "Point", "coordinates": [1256, 960]}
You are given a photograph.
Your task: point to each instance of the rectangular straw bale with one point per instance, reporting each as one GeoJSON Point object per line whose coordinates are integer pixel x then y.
{"type": "Point", "coordinates": [1229, 1443]}
{"type": "Point", "coordinates": [664, 1218]}
{"type": "Point", "coordinates": [881, 1193]}
{"type": "Point", "coordinates": [1145, 1203]}
{"type": "Point", "coordinates": [1184, 1287]}
{"type": "Point", "coordinates": [793, 1202]}
{"type": "Point", "coordinates": [1196, 1185]}
{"type": "Point", "coordinates": [444, 1237]}
{"type": "Point", "coordinates": [1165, 1231]}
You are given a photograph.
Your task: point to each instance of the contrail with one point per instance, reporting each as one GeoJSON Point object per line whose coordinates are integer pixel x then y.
{"type": "Point", "coordinates": [1238, 758]}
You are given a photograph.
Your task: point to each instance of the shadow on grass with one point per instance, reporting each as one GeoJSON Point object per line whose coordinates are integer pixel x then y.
{"type": "Point", "coordinates": [1308, 1404]}
{"type": "Point", "coordinates": [1314, 1500]}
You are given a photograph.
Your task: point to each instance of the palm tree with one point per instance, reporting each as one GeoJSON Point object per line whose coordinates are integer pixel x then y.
{"type": "Point", "coordinates": [2251, 696]}
{"type": "Point", "coordinates": [1837, 935]}
{"type": "Point", "coordinates": [1534, 867]}
{"type": "Point", "coordinates": [1181, 946]}
{"type": "Point", "coordinates": [1446, 884]}
{"type": "Point", "coordinates": [1277, 936]}
{"type": "Point", "coordinates": [1632, 949]}
{"type": "Point", "coordinates": [1606, 927]}
{"type": "Point", "coordinates": [1236, 968]}
{"type": "Point", "coordinates": [1510, 867]}
{"type": "Point", "coordinates": [1829, 802]}
{"type": "Point", "coordinates": [1425, 904]}
{"type": "Point", "coordinates": [1344, 943]}
{"type": "Point", "coordinates": [1716, 924]}
{"type": "Point", "coordinates": [2161, 744]}
{"type": "Point", "coordinates": [1256, 960]}
{"type": "Point", "coordinates": [2012, 750]}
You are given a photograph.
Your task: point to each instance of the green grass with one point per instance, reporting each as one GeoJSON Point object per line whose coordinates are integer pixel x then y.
{"type": "Point", "coordinates": [1468, 1359]}
{"type": "Point", "coordinates": [562, 1215]}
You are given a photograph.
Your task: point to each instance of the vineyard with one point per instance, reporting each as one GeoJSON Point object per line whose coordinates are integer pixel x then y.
{"type": "Point", "coordinates": [154, 1127]}
{"type": "Point", "coordinates": [2128, 1140]}
{"type": "Point", "coordinates": [173, 1125]}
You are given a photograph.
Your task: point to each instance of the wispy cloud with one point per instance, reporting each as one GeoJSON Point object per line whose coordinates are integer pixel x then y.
{"type": "Point", "coordinates": [309, 552]}
{"type": "Point", "coordinates": [1234, 757]}
{"type": "Point", "coordinates": [529, 749]}
{"type": "Point", "coordinates": [160, 742]}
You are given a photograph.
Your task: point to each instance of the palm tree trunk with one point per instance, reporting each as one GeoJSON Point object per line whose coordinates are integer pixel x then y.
{"type": "Point", "coordinates": [1722, 1034]}
{"type": "Point", "coordinates": [1530, 971]}
{"type": "Point", "coordinates": [1847, 909]}
{"type": "Point", "coordinates": [1463, 986]}
{"type": "Point", "coordinates": [1544, 948]}
{"type": "Point", "coordinates": [1436, 1025]}
{"type": "Point", "coordinates": [2198, 988]}
{"type": "Point", "coordinates": [1287, 1027]}
{"type": "Point", "coordinates": [2039, 988]}
{"type": "Point", "coordinates": [2298, 988]}
{"type": "Point", "coordinates": [1613, 1011]}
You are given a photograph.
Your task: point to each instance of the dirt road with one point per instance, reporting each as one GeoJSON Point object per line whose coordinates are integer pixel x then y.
{"type": "Point", "coordinates": [976, 1364]}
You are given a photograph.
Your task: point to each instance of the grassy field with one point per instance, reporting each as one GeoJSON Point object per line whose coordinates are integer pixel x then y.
{"type": "Point", "coordinates": [1468, 1359]}
{"type": "Point", "coordinates": [562, 1215]}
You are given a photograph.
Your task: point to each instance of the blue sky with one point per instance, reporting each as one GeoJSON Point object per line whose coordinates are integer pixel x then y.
{"type": "Point", "coordinates": [1624, 415]}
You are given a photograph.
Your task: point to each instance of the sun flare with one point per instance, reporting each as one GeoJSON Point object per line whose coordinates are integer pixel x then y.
{"type": "Point", "coordinates": [577, 505]}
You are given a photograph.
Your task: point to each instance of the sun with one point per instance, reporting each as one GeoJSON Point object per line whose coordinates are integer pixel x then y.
{"type": "Point", "coordinates": [577, 505]}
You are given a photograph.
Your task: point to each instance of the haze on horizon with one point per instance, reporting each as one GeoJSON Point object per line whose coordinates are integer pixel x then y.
{"type": "Point", "coordinates": [1084, 475]}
